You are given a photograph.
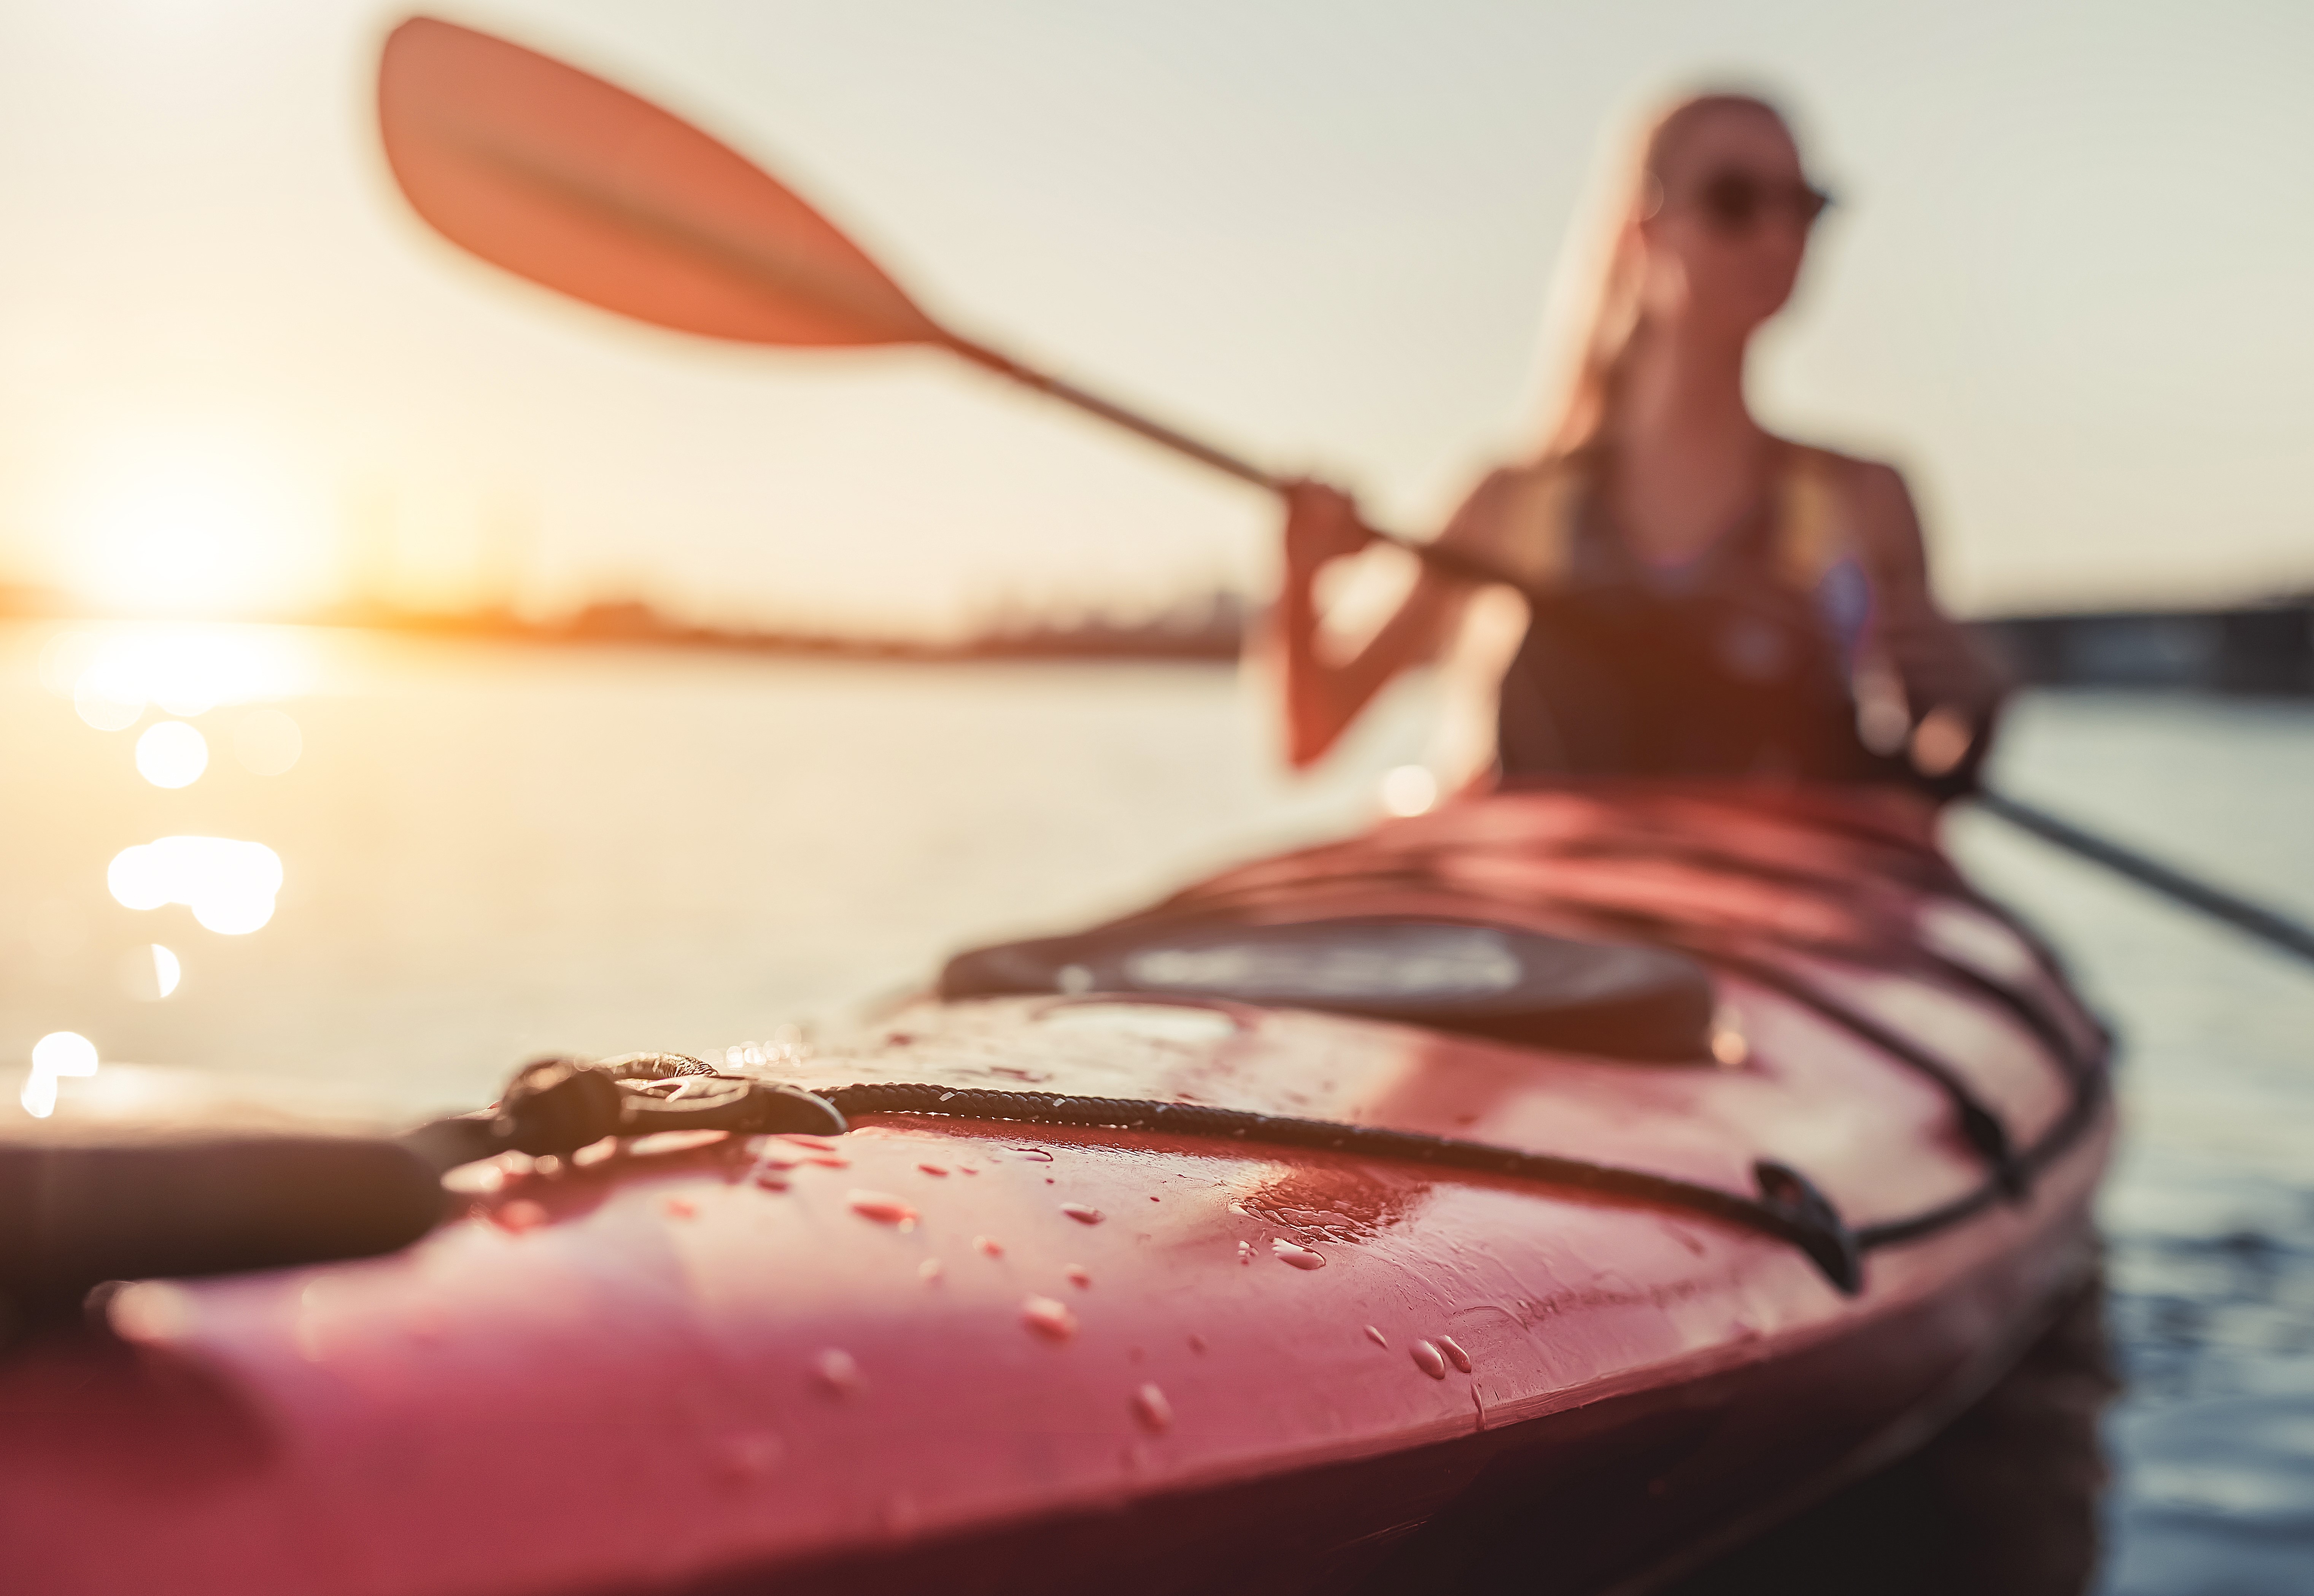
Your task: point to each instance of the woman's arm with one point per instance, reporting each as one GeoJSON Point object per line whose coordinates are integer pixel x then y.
{"type": "Point", "coordinates": [1949, 679]}
{"type": "Point", "coordinates": [1324, 695]}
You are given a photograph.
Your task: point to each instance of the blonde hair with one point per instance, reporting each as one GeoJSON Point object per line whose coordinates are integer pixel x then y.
{"type": "Point", "coordinates": [1592, 320]}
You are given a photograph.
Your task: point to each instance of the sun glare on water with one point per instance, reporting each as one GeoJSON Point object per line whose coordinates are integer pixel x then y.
{"type": "Point", "coordinates": [229, 885]}
{"type": "Point", "coordinates": [57, 1053]}
{"type": "Point", "coordinates": [113, 674]}
{"type": "Point", "coordinates": [172, 753]}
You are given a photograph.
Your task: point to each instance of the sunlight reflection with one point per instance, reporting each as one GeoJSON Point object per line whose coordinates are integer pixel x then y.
{"type": "Point", "coordinates": [105, 706]}
{"type": "Point", "coordinates": [149, 971]}
{"type": "Point", "coordinates": [59, 1053]}
{"type": "Point", "coordinates": [1408, 789]}
{"type": "Point", "coordinates": [112, 673]}
{"type": "Point", "coordinates": [229, 886]}
{"type": "Point", "coordinates": [172, 753]}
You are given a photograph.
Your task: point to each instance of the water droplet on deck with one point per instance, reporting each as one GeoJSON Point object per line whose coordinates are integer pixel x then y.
{"type": "Point", "coordinates": [1036, 1153]}
{"type": "Point", "coordinates": [882, 1207]}
{"type": "Point", "coordinates": [931, 1169]}
{"type": "Point", "coordinates": [837, 1372]}
{"type": "Point", "coordinates": [750, 1455]}
{"type": "Point", "coordinates": [519, 1215]}
{"type": "Point", "coordinates": [1150, 1407]}
{"type": "Point", "coordinates": [929, 1270]}
{"type": "Point", "coordinates": [150, 1311]}
{"type": "Point", "coordinates": [1429, 1360]}
{"type": "Point", "coordinates": [1245, 1252]}
{"type": "Point", "coordinates": [1301, 1257]}
{"type": "Point", "coordinates": [1078, 1274]}
{"type": "Point", "coordinates": [829, 1160]}
{"type": "Point", "coordinates": [1376, 1337]}
{"type": "Point", "coordinates": [1082, 1213]}
{"type": "Point", "coordinates": [772, 1180]}
{"type": "Point", "coordinates": [989, 1245]}
{"type": "Point", "coordinates": [1455, 1352]}
{"type": "Point", "coordinates": [1048, 1318]}
{"type": "Point", "coordinates": [805, 1138]}
{"type": "Point", "coordinates": [967, 1168]}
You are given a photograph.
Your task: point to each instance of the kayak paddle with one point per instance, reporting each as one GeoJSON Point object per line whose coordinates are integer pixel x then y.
{"type": "Point", "coordinates": [574, 183]}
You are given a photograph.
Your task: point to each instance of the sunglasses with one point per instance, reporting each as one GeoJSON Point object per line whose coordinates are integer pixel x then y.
{"type": "Point", "coordinates": [1736, 202]}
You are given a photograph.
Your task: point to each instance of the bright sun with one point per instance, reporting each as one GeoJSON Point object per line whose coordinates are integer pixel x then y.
{"type": "Point", "coordinates": [191, 523]}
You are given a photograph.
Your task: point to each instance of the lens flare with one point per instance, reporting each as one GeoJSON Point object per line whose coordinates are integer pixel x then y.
{"type": "Point", "coordinates": [107, 700]}
{"type": "Point", "coordinates": [172, 753]}
{"type": "Point", "coordinates": [57, 1053]}
{"type": "Point", "coordinates": [229, 886]}
{"type": "Point", "coordinates": [166, 970]}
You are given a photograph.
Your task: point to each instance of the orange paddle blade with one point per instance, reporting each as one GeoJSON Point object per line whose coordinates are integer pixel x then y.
{"type": "Point", "coordinates": [563, 178]}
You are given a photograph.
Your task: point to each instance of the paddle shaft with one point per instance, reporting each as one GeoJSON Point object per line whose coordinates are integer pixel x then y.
{"type": "Point", "coordinates": [2278, 930]}
{"type": "Point", "coordinates": [1453, 562]}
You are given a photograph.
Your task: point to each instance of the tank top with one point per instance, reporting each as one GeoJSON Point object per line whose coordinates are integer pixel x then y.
{"type": "Point", "coordinates": [1734, 663]}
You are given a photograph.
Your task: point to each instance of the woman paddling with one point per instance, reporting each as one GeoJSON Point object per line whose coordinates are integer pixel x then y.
{"type": "Point", "coordinates": [1704, 599]}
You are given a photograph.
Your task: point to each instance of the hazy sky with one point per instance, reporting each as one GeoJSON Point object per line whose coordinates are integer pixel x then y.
{"type": "Point", "coordinates": [2070, 286]}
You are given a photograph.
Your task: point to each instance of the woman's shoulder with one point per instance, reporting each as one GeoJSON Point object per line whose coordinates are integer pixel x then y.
{"type": "Point", "coordinates": [1870, 488]}
{"type": "Point", "coordinates": [1518, 513]}
{"type": "Point", "coordinates": [1856, 502]}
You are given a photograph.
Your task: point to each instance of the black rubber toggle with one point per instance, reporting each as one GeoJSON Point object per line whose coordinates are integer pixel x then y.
{"type": "Point", "coordinates": [1990, 1137]}
{"type": "Point", "coordinates": [1813, 1225]}
{"type": "Point", "coordinates": [558, 1106]}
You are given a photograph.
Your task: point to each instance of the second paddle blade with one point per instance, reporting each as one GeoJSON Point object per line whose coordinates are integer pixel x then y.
{"type": "Point", "coordinates": [571, 182]}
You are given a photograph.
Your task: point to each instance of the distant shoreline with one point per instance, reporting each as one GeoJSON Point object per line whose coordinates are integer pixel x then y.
{"type": "Point", "coordinates": [1212, 633]}
{"type": "Point", "coordinates": [2255, 649]}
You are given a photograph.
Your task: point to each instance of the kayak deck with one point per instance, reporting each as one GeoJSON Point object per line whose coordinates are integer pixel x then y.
{"type": "Point", "coordinates": [1028, 1356]}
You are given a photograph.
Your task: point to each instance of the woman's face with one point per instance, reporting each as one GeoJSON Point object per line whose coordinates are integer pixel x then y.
{"type": "Point", "coordinates": [1724, 247]}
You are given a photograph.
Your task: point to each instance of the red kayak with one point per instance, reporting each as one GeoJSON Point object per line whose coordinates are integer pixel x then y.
{"type": "Point", "coordinates": [1545, 1193]}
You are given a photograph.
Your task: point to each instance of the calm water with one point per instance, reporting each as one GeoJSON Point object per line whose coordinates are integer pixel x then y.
{"type": "Point", "coordinates": [485, 854]}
